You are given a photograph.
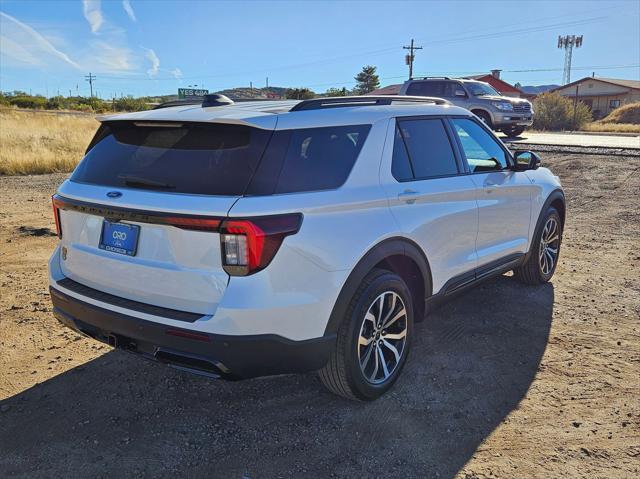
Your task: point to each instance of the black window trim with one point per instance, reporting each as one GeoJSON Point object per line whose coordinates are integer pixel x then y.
{"type": "Point", "coordinates": [406, 151]}
{"type": "Point", "coordinates": [447, 128]}
{"type": "Point", "coordinates": [465, 164]}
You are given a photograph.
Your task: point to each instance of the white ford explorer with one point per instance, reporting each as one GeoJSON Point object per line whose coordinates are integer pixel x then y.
{"type": "Point", "coordinates": [249, 239]}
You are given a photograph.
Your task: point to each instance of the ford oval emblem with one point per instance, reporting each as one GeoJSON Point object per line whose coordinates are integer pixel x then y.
{"type": "Point", "coordinates": [114, 194]}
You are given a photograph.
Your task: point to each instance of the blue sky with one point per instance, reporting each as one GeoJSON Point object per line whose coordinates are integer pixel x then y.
{"type": "Point", "coordinates": [145, 47]}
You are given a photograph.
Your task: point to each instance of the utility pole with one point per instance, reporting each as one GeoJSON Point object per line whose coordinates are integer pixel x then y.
{"type": "Point", "coordinates": [575, 106]}
{"type": "Point", "coordinates": [567, 43]}
{"type": "Point", "coordinates": [410, 57]}
{"type": "Point", "coordinates": [90, 78]}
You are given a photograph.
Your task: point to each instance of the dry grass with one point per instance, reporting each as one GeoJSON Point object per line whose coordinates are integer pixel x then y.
{"type": "Point", "coordinates": [611, 127]}
{"type": "Point", "coordinates": [36, 143]}
{"type": "Point", "coordinates": [625, 119]}
{"type": "Point", "coordinates": [629, 114]}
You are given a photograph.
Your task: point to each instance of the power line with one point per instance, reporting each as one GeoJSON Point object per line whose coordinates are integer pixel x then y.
{"type": "Point", "coordinates": [451, 40]}
{"type": "Point", "coordinates": [410, 57]}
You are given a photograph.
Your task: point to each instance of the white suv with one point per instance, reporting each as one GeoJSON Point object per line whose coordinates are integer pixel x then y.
{"type": "Point", "coordinates": [276, 237]}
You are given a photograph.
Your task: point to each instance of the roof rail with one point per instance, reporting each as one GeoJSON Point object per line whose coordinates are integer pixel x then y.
{"type": "Point", "coordinates": [364, 100]}
{"type": "Point", "coordinates": [431, 78]}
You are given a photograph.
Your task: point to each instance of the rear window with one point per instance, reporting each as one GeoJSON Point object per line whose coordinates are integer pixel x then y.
{"type": "Point", "coordinates": [221, 159]}
{"type": "Point", "coordinates": [429, 148]}
{"type": "Point", "coordinates": [195, 158]}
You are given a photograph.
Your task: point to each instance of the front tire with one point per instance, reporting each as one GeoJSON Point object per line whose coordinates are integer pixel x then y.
{"type": "Point", "coordinates": [485, 117]}
{"type": "Point", "coordinates": [545, 251]}
{"type": "Point", "coordinates": [513, 131]}
{"type": "Point", "coordinates": [373, 340]}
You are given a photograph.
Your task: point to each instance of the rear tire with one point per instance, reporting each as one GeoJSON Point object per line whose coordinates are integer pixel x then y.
{"type": "Point", "coordinates": [545, 251]}
{"type": "Point", "coordinates": [373, 340]}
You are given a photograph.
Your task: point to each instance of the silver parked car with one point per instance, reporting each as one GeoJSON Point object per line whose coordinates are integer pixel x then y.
{"type": "Point", "coordinates": [501, 113]}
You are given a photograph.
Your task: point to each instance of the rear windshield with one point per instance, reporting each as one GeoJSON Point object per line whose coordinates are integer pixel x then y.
{"type": "Point", "coordinates": [221, 159]}
{"type": "Point", "coordinates": [192, 158]}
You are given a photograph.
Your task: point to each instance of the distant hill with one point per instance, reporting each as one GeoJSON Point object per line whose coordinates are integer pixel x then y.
{"type": "Point", "coordinates": [536, 90]}
{"type": "Point", "coordinates": [244, 93]}
{"type": "Point", "coordinates": [240, 93]}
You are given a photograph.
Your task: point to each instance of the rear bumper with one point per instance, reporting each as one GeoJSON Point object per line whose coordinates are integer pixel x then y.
{"type": "Point", "coordinates": [224, 356]}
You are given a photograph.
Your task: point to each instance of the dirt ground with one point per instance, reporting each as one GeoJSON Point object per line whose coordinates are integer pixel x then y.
{"type": "Point", "coordinates": [507, 381]}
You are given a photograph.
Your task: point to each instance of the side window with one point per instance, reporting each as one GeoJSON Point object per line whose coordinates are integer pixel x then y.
{"type": "Point", "coordinates": [319, 158]}
{"type": "Point", "coordinates": [482, 151]}
{"type": "Point", "coordinates": [429, 148]}
{"type": "Point", "coordinates": [400, 166]}
{"type": "Point", "coordinates": [440, 89]}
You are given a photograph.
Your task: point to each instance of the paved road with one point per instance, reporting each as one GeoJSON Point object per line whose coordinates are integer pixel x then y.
{"type": "Point", "coordinates": [577, 139]}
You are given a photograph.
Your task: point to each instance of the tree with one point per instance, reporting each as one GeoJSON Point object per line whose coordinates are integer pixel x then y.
{"type": "Point", "coordinates": [367, 80]}
{"type": "Point", "coordinates": [337, 92]}
{"type": "Point", "coordinates": [299, 94]}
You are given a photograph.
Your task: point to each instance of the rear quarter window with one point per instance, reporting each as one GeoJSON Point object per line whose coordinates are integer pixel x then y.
{"type": "Point", "coordinates": [309, 159]}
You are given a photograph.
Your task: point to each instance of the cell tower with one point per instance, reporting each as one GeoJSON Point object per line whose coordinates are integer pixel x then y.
{"type": "Point", "coordinates": [568, 42]}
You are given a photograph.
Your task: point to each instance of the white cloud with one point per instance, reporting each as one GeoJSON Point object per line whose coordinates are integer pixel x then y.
{"type": "Point", "coordinates": [155, 62]}
{"type": "Point", "coordinates": [24, 44]}
{"type": "Point", "coordinates": [109, 58]}
{"type": "Point", "coordinates": [127, 8]}
{"type": "Point", "coordinates": [93, 13]}
{"type": "Point", "coordinates": [176, 72]}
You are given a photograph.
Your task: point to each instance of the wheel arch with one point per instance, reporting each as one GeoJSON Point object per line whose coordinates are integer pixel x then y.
{"type": "Point", "coordinates": [556, 200]}
{"type": "Point", "coordinates": [476, 110]}
{"type": "Point", "coordinates": [400, 255]}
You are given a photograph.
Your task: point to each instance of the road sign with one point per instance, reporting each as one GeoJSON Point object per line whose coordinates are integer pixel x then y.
{"type": "Point", "coordinates": [191, 93]}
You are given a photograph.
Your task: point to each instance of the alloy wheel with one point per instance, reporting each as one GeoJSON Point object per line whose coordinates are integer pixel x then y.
{"type": "Point", "coordinates": [549, 245]}
{"type": "Point", "coordinates": [383, 337]}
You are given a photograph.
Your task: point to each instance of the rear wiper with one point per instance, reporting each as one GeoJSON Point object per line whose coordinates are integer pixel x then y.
{"type": "Point", "coordinates": [130, 180]}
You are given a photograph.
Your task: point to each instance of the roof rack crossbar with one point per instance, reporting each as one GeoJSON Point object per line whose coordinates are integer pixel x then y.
{"type": "Point", "coordinates": [364, 100]}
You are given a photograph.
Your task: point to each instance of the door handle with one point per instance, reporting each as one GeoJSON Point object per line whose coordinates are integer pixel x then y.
{"type": "Point", "coordinates": [408, 196]}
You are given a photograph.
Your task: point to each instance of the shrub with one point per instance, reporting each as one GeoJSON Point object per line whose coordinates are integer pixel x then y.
{"type": "Point", "coordinates": [129, 103]}
{"type": "Point", "coordinates": [555, 112]}
{"type": "Point", "coordinates": [299, 94]}
{"type": "Point", "coordinates": [56, 103]}
{"type": "Point", "coordinates": [27, 101]}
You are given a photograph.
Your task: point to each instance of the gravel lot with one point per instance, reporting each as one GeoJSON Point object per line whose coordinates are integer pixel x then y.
{"type": "Point", "coordinates": [507, 381]}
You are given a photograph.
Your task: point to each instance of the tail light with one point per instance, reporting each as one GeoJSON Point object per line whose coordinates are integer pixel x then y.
{"type": "Point", "coordinates": [55, 202]}
{"type": "Point", "coordinates": [249, 245]}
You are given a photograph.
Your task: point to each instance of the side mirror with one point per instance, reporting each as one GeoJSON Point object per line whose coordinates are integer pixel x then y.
{"type": "Point", "coordinates": [460, 93]}
{"type": "Point", "coordinates": [526, 160]}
